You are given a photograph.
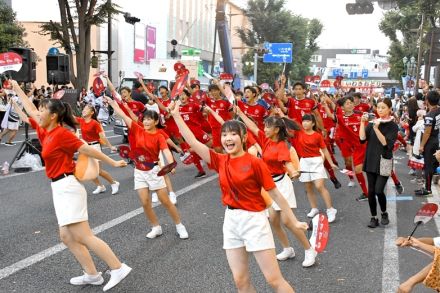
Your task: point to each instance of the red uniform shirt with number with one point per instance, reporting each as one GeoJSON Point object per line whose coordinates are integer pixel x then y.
{"type": "Point", "coordinates": [221, 107]}
{"type": "Point", "coordinates": [191, 115]}
{"type": "Point", "coordinates": [326, 120]}
{"type": "Point", "coordinates": [349, 137]}
{"type": "Point", "coordinates": [362, 107]}
{"type": "Point", "coordinates": [58, 147]}
{"type": "Point", "coordinates": [241, 180]}
{"type": "Point", "coordinates": [296, 109]}
{"type": "Point", "coordinates": [171, 126]}
{"type": "Point", "coordinates": [275, 154]}
{"type": "Point", "coordinates": [90, 130]}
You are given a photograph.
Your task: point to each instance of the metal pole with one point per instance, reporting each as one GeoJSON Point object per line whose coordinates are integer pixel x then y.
{"type": "Point", "coordinates": [109, 45]}
{"type": "Point", "coordinates": [255, 66]}
{"type": "Point", "coordinates": [431, 47]}
{"type": "Point", "coordinates": [419, 56]}
{"type": "Point", "coordinates": [213, 51]}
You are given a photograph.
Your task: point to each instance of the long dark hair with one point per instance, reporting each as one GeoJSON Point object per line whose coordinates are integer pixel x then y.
{"type": "Point", "coordinates": [283, 124]}
{"type": "Point", "coordinates": [63, 111]}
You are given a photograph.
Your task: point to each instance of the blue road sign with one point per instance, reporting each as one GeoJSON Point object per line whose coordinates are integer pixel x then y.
{"type": "Point", "coordinates": [364, 73]}
{"type": "Point", "coordinates": [278, 53]}
{"type": "Point", "coordinates": [353, 74]}
{"type": "Point", "coordinates": [337, 72]}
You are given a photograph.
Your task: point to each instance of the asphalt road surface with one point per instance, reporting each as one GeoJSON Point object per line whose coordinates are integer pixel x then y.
{"type": "Point", "coordinates": [357, 259]}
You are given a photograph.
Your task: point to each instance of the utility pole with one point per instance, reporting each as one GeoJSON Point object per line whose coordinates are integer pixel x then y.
{"type": "Point", "coordinates": [255, 66]}
{"type": "Point", "coordinates": [419, 56]}
{"type": "Point", "coordinates": [109, 45]}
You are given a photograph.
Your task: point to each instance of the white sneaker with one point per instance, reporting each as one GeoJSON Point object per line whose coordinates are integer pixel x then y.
{"type": "Point", "coordinates": [288, 252]}
{"type": "Point", "coordinates": [154, 197]}
{"type": "Point", "coordinates": [99, 189]}
{"type": "Point", "coordinates": [87, 279]}
{"type": "Point", "coordinates": [155, 231]}
{"type": "Point", "coordinates": [173, 197]}
{"type": "Point", "coordinates": [181, 230]}
{"type": "Point", "coordinates": [331, 214]}
{"type": "Point", "coordinates": [116, 276]}
{"type": "Point", "coordinates": [313, 212]}
{"type": "Point", "coordinates": [115, 187]}
{"type": "Point", "coordinates": [351, 183]}
{"type": "Point", "coordinates": [309, 257]}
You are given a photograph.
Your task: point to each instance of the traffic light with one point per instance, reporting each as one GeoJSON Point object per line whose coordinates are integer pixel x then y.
{"type": "Point", "coordinates": [94, 61]}
{"type": "Point", "coordinates": [360, 7]}
{"type": "Point", "coordinates": [130, 19]}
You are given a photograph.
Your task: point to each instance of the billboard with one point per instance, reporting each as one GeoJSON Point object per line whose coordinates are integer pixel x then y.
{"type": "Point", "coordinates": [139, 43]}
{"type": "Point", "coordinates": [151, 43]}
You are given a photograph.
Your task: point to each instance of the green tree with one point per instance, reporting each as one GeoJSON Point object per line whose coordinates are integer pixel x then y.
{"type": "Point", "coordinates": [74, 31]}
{"type": "Point", "coordinates": [402, 27]}
{"type": "Point", "coordinates": [11, 32]}
{"type": "Point", "coordinates": [271, 22]}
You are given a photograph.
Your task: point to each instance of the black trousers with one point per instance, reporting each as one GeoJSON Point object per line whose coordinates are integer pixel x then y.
{"type": "Point", "coordinates": [376, 187]}
{"type": "Point", "coordinates": [430, 162]}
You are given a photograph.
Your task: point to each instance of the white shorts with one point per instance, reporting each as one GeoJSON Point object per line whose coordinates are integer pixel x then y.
{"type": "Point", "coordinates": [436, 242]}
{"type": "Point", "coordinates": [285, 186]}
{"type": "Point", "coordinates": [12, 125]}
{"type": "Point", "coordinates": [96, 146]}
{"type": "Point", "coordinates": [315, 165]}
{"type": "Point", "coordinates": [148, 179]}
{"type": "Point", "coordinates": [70, 201]}
{"type": "Point", "coordinates": [247, 229]}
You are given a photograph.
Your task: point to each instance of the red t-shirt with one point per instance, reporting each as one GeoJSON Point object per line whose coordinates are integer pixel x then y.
{"type": "Point", "coordinates": [135, 106]}
{"type": "Point", "coordinates": [250, 141]}
{"type": "Point", "coordinates": [221, 107]}
{"type": "Point", "coordinates": [165, 135]}
{"type": "Point", "coordinates": [296, 109]}
{"type": "Point", "coordinates": [58, 147]}
{"type": "Point", "coordinates": [349, 127]}
{"type": "Point", "coordinates": [257, 112]}
{"type": "Point", "coordinates": [275, 154]}
{"type": "Point", "coordinates": [326, 120]}
{"type": "Point", "coordinates": [362, 107]}
{"type": "Point", "coordinates": [151, 143]}
{"type": "Point", "coordinates": [191, 114]}
{"type": "Point", "coordinates": [90, 130]}
{"type": "Point", "coordinates": [311, 144]}
{"type": "Point", "coordinates": [241, 180]}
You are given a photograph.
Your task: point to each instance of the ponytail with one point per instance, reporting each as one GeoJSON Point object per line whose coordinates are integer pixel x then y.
{"type": "Point", "coordinates": [283, 125]}
{"type": "Point", "coordinates": [63, 111]}
{"type": "Point", "coordinates": [68, 117]}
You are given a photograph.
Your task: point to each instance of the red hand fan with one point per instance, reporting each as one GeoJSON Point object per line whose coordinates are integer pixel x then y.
{"type": "Point", "coordinates": [167, 169]}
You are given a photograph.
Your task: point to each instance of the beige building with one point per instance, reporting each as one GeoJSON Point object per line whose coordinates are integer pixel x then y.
{"type": "Point", "coordinates": [41, 45]}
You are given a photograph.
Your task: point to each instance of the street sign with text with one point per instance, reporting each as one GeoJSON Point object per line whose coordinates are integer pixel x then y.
{"type": "Point", "coordinates": [278, 53]}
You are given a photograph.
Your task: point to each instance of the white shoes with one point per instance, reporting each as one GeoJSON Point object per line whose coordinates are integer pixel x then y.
{"type": "Point", "coordinates": [87, 279]}
{"type": "Point", "coordinates": [154, 197]}
{"type": "Point", "coordinates": [99, 189]}
{"type": "Point", "coordinates": [181, 230]}
{"type": "Point", "coordinates": [173, 198]}
{"type": "Point", "coordinates": [115, 187]}
{"type": "Point", "coordinates": [313, 212]}
{"type": "Point", "coordinates": [116, 276]}
{"type": "Point", "coordinates": [351, 183]}
{"type": "Point", "coordinates": [309, 257]}
{"type": "Point", "coordinates": [287, 253]}
{"type": "Point", "coordinates": [331, 214]}
{"type": "Point", "coordinates": [155, 231]}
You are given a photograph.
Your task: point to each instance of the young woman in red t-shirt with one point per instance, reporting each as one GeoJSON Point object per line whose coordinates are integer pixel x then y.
{"type": "Point", "coordinates": [312, 144]}
{"type": "Point", "coordinates": [246, 227]}
{"type": "Point", "coordinates": [276, 154]}
{"type": "Point", "coordinates": [146, 138]}
{"type": "Point", "coordinates": [93, 133]}
{"type": "Point", "coordinates": [69, 196]}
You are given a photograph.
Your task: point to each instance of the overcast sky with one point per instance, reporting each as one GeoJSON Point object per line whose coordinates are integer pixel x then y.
{"type": "Point", "coordinates": [340, 29]}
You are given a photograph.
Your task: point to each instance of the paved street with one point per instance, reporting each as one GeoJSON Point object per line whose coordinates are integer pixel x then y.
{"type": "Point", "coordinates": [357, 259]}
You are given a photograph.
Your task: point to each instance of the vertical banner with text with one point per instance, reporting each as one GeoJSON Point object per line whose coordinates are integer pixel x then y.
{"type": "Point", "coordinates": [151, 43]}
{"type": "Point", "coordinates": [139, 43]}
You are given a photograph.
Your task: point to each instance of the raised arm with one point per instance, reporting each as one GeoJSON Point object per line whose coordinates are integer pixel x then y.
{"type": "Point", "coordinates": [201, 149]}
{"type": "Point", "coordinates": [214, 114]}
{"type": "Point", "coordinates": [20, 112]}
{"type": "Point", "coordinates": [119, 111]}
{"type": "Point", "coordinates": [249, 123]}
{"type": "Point", "coordinates": [281, 93]}
{"type": "Point", "coordinates": [27, 104]}
{"type": "Point", "coordinates": [110, 84]}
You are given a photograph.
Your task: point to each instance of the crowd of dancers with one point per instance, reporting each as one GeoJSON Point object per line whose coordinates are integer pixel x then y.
{"type": "Point", "coordinates": [261, 142]}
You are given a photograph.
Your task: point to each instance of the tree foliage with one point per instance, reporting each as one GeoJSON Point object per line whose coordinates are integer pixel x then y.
{"type": "Point", "coordinates": [11, 32]}
{"type": "Point", "coordinates": [73, 33]}
{"type": "Point", "coordinates": [271, 22]}
{"type": "Point", "coordinates": [402, 27]}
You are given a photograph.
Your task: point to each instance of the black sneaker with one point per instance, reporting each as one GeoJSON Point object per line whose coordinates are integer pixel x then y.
{"type": "Point", "coordinates": [374, 222]}
{"type": "Point", "coordinates": [336, 183]}
{"type": "Point", "coordinates": [362, 197]}
{"type": "Point", "coordinates": [9, 144]}
{"type": "Point", "coordinates": [200, 175]}
{"type": "Point", "coordinates": [423, 192]}
{"type": "Point", "coordinates": [384, 221]}
{"type": "Point", "coordinates": [399, 188]}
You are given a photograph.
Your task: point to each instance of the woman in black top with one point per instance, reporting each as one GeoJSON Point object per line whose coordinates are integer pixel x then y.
{"type": "Point", "coordinates": [381, 135]}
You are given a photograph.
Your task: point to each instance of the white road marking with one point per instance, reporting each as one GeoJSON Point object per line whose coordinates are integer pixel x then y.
{"type": "Point", "coordinates": [24, 263]}
{"type": "Point", "coordinates": [390, 266]}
